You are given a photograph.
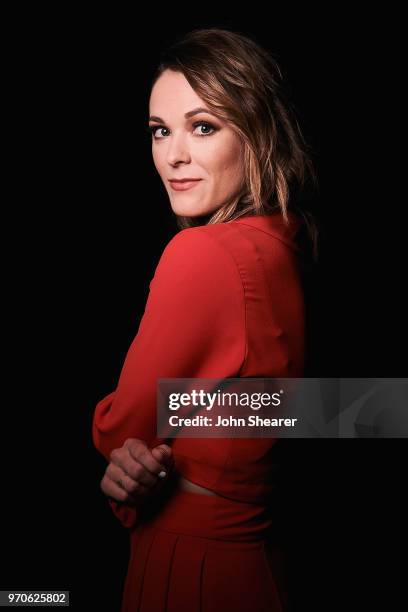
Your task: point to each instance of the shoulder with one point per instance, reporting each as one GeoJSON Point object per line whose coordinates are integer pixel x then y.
{"type": "Point", "coordinates": [193, 239]}
{"type": "Point", "coordinates": [198, 253]}
{"type": "Point", "coordinates": [197, 249]}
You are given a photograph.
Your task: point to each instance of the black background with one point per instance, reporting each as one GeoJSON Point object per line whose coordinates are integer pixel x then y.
{"type": "Point", "coordinates": [82, 193]}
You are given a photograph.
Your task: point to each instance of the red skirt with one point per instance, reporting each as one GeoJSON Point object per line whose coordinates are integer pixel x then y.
{"type": "Point", "coordinates": [204, 553]}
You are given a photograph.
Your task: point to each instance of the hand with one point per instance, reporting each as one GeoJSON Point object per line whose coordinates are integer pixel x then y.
{"type": "Point", "coordinates": [133, 472]}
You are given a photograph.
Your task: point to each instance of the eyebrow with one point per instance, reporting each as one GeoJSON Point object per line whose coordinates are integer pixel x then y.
{"type": "Point", "coordinates": [195, 111]}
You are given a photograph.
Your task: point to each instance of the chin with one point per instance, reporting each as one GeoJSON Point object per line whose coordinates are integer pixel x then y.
{"type": "Point", "coordinates": [186, 211]}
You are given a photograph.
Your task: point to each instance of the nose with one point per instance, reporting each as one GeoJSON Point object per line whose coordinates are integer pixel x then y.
{"type": "Point", "coordinates": [178, 150]}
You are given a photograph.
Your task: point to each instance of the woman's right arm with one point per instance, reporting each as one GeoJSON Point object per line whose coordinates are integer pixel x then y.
{"type": "Point", "coordinates": [193, 326]}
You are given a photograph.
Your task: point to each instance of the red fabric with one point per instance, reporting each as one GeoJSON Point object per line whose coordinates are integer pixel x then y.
{"type": "Point", "coordinates": [203, 552]}
{"type": "Point", "coordinates": [225, 301]}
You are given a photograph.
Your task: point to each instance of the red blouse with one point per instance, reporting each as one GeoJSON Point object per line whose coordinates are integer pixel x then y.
{"type": "Point", "coordinates": [225, 301]}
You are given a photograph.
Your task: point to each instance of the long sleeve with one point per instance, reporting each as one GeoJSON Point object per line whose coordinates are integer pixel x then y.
{"type": "Point", "coordinates": [193, 326]}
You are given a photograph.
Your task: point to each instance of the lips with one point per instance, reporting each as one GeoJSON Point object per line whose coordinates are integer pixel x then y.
{"type": "Point", "coordinates": [183, 184]}
{"type": "Point", "coordinates": [184, 180]}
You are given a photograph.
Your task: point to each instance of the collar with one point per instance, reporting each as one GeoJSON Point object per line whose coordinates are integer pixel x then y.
{"type": "Point", "coordinates": [274, 224]}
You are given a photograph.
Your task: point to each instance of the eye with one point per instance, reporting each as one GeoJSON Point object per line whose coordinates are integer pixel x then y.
{"type": "Point", "coordinates": [206, 126]}
{"type": "Point", "coordinates": [152, 129]}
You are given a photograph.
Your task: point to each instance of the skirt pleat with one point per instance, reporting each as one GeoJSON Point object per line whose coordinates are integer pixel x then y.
{"type": "Point", "coordinates": [141, 543]}
{"type": "Point", "coordinates": [157, 570]}
{"type": "Point", "coordinates": [185, 587]}
{"type": "Point", "coordinates": [236, 578]}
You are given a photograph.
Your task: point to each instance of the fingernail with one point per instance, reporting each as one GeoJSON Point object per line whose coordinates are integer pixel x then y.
{"type": "Point", "coordinates": [161, 474]}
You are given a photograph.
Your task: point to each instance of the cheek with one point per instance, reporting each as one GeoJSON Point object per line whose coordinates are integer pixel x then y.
{"type": "Point", "coordinates": [226, 157]}
{"type": "Point", "coordinates": [158, 158]}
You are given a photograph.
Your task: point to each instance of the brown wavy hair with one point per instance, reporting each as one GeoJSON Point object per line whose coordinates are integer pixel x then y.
{"type": "Point", "coordinates": [242, 83]}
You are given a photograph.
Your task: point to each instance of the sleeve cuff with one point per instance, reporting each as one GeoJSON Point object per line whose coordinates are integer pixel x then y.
{"type": "Point", "coordinates": [127, 516]}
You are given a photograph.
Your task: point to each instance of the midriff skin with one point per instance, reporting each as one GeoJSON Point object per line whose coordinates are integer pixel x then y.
{"type": "Point", "coordinates": [187, 485]}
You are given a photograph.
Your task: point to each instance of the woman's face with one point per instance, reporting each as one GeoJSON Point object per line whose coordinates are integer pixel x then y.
{"type": "Point", "coordinates": [196, 146]}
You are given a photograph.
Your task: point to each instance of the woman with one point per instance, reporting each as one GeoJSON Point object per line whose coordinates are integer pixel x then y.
{"type": "Point", "coordinates": [225, 301]}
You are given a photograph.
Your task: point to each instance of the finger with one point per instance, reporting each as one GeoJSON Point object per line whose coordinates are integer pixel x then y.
{"type": "Point", "coordinates": [112, 489]}
{"type": "Point", "coordinates": [165, 458]}
{"type": "Point", "coordinates": [136, 470]}
{"type": "Point", "coordinates": [132, 486]}
{"type": "Point", "coordinates": [166, 454]}
{"type": "Point", "coordinates": [135, 467]}
{"type": "Point", "coordinates": [145, 457]}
